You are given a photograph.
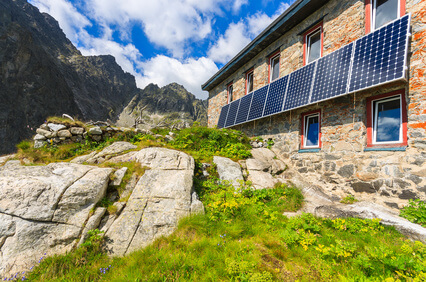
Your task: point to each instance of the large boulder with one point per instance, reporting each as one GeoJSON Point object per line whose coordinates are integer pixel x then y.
{"type": "Point", "coordinates": [263, 167]}
{"type": "Point", "coordinates": [228, 170]}
{"type": "Point", "coordinates": [43, 209]}
{"type": "Point", "coordinates": [161, 197]}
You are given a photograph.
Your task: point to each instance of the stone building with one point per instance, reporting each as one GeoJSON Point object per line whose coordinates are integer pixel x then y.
{"type": "Point", "coordinates": [368, 141]}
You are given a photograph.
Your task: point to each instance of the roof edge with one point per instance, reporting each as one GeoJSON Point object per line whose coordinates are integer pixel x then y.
{"type": "Point", "coordinates": [271, 28]}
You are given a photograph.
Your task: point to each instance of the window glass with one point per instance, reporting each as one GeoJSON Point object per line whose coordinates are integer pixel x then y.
{"type": "Point", "coordinates": [249, 82]}
{"type": "Point", "coordinates": [314, 46]}
{"type": "Point", "coordinates": [230, 94]}
{"type": "Point", "coordinates": [387, 120]}
{"type": "Point", "coordinates": [275, 68]}
{"type": "Point", "coordinates": [385, 11]}
{"type": "Point", "coordinates": [312, 131]}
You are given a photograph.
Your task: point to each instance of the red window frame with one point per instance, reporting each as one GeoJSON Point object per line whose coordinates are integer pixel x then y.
{"type": "Point", "coordinates": [271, 57]}
{"type": "Point", "coordinates": [227, 92]}
{"type": "Point", "coordinates": [305, 40]}
{"type": "Point", "coordinates": [369, 13]}
{"type": "Point", "coordinates": [370, 118]}
{"type": "Point", "coordinates": [251, 71]}
{"type": "Point", "coordinates": [302, 134]}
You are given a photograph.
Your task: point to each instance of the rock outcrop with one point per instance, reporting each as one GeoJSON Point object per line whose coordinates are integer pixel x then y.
{"type": "Point", "coordinates": [229, 170]}
{"type": "Point", "coordinates": [161, 197]}
{"type": "Point", "coordinates": [43, 209]}
{"type": "Point", "coordinates": [46, 210]}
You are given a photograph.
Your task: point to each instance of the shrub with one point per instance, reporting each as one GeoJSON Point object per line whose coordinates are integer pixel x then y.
{"type": "Point", "coordinates": [204, 143]}
{"type": "Point", "coordinates": [415, 212]}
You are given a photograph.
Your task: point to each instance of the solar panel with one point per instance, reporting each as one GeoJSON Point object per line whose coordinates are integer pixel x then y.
{"type": "Point", "coordinates": [377, 58]}
{"type": "Point", "coordinates": [299, 87]}
{"type": "Point", "coordinates": [244, 109]}
{"type": "Point", "coordinates": [258, 103]}
{"type": "Point", "coordinates": [232, 113]}
{"type": "Point", "coordinates": [222, 116]}
{"type": "Point", "coordinates": [331, 78]}
{"type": "Point", "coordinates": [276, 94]}
{"type": "Point", "coordinates": [380, 56]}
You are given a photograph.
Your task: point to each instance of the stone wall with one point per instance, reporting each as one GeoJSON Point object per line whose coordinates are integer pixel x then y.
{"type": "Point", "coordinates": [64, 133]}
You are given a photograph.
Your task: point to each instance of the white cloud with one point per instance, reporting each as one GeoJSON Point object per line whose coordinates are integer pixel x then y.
{"type": "Point", "coordinates": [238, 4]}
{"type": "Point", "coordinates": [228, 45]}
{"type": "Point", "coordinates": [167, 23]}
{"type": "Point", "coordinates": [238, 35]}
{"type": "Point", "coordinates": [191, 73]}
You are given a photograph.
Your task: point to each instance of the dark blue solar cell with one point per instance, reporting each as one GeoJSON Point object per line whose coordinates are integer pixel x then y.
{"type": "Point", "coordinates": [331, 78]}
{"type": "Point", "coordinates": [222, 116]}
{"type": "Point", "coordinates": [276, 94]}
{"type": "Point", "coordinates": [299, 87]}
{"type": "Point", "coordinates": [232, 114]}
{"type": "Point", "coordinates": [244, 109]}
{"type": "Point", "coordinates": [380, 56]}
{"type": "Point", "coordinates": [258, 103]}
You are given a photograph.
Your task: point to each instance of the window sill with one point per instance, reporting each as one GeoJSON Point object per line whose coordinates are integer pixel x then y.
{"type": "Point", "coordinates": [309, 150]}
{"type": "Point", "coordinates": [394, 149]}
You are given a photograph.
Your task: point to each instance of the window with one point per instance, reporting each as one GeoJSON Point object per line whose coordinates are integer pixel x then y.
{"type": "Point", "coordinates": [387, 120]}
{"type": "Point", "coordinates": [313, 44]}
{"type": "Point", "coordinates": [311, 130]}
{"type": "Point", "coordinates": [249, 81]}
{"type": "Point", "coordinates": [229, 90]}
{"type": "Point", "coordinates": [381, 12]}
{"type": "Point", "coordinates": [274, 66]}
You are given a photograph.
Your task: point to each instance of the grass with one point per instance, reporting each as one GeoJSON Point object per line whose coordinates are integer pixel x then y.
{"type": "Point", "coordinates": [349, 200]}
{"type": "Point", "coordinates": [252, 241]}
{"type": "Point", "coordinates": [133, 169]}
{"type": "Point", "coordinates": [66, 121]}
{"type": "Point", "coordinates": [200, 142]}
{"type": "Point", "coordinates": [415, 212]}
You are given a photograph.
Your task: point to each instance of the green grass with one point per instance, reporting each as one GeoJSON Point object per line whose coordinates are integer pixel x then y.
{"type": "Point", "coordinates": [415, 212]}
{"type": "Point", "coordinates": [200, 142]}
{"type": "Point", "coordinates": [245, 237]}
{"type": "Point", "coordinates": [66, 121]}
{"type": "Point", "coordinates": [349, 200]}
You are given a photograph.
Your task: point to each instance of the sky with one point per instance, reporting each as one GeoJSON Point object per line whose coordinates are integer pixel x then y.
{"type": "Point", "coordinates": [164, 41]}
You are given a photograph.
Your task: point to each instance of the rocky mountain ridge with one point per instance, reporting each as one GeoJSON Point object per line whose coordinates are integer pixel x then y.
{"type": "Point", "coordinates": [43, 74]}
{"type": "Point", "coordinates": [169, 103]}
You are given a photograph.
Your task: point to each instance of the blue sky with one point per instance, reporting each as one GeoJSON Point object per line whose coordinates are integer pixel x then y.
{"type": "Point", "coordinates": [164, 41]}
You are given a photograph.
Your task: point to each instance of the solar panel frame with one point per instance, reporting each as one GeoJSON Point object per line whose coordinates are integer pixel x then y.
{"type": "Point", "coordinates": [344, 77]}
{"type": "Point", "coordinates": [222, 117]}
{"type": "Point", "coordinates": [404, 28]}
{"type": "Point", "coordinates": [276, 98]}
{"type": "Point", "coordinates": [260, 108]}
{"type": "Point", "coordinates": [294, 93]}
{"type": "Point", "coordinates": [232, 113]}
{"type": "Point", "coordinates": [242, 114]}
